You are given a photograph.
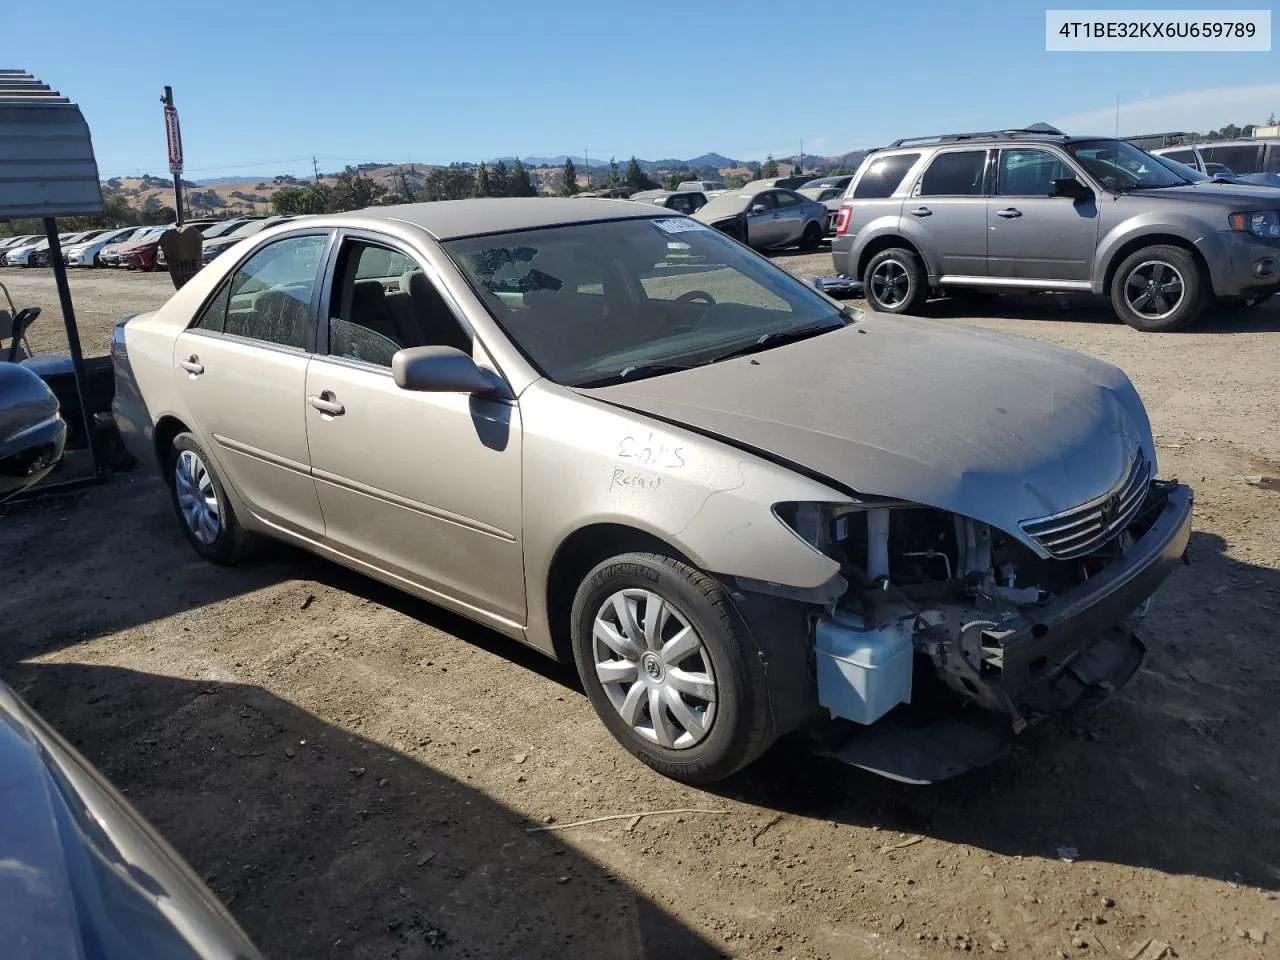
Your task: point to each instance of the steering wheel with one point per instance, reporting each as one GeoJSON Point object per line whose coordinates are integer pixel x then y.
{"type": "Point", "coordinates": [695, 296]}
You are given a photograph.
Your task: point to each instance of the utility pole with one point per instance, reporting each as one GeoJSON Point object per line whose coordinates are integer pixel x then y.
{"type": "Point", "coordinates": [316, 167]}
{"type": "Point", "coordinates": [800, 165]}
{"type": "Point", "coordinates": [586, 167]}
{"type": "Point", "coordinates": [173, 134]}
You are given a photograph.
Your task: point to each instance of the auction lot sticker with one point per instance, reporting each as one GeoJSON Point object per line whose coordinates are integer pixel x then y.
{"type": "Point", "coordinates": [1157, 31]}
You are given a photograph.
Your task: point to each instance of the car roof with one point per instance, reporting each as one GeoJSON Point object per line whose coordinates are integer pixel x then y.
{"type": "Point", "coordinates": [452, 219]}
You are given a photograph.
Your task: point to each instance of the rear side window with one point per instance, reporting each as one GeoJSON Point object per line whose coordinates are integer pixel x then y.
{"type": "Point", "coordinates": [270, 295]}
{"type": "Point", "coordinates": [956, 174]}
{"type": "Point", "coordinates": [883, 176]}
{"type": "Point", "coordinates": [788, 199]}
{"type": "Point", "coordinates": [1245, 158]}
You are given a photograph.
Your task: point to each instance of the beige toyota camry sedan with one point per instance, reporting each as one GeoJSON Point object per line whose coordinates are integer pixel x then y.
{"type": "Point", "coordinates": [622, 437]}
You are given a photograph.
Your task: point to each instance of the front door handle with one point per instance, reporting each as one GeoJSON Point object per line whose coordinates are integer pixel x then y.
{"type": "Point", "coordinates": [192, 365]}
{"type": "Point", "coordinates": [922, 212]}
{"type": "Point", "coordinates": [1009, 213]}
{"type": "Point", "coordinates": [325, 403]}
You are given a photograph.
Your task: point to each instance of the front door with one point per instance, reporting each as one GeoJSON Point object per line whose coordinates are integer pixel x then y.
{"type": "Point", "coordinates": [950, 207]}
{"type": "Point", "coordinates": [422, 486]}
{"type": "Point", "coordinates": [1032, 234]}
{"type": "Point", "coordinates": [763, 229]}
{"type": "Point", "coordinates": [241, 370]}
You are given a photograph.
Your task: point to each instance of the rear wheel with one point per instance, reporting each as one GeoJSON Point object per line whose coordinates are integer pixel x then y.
{"type": "Point", "coordinates": [895, 282]}
{"type": "Point", "coordinates": [669, 667]}
{"type": "Point", "coordinates": [812, 237]}
{"type": "Point", "coordinates": [1159, 289]}
{"type": "Point", "coordinates": [200, 501]}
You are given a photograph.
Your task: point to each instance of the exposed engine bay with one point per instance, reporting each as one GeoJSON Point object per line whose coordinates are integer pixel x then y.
{"type": "Point", "coordinates": [925, 587]}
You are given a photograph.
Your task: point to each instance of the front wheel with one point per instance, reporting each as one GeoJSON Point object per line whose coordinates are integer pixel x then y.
{"type": "Point", "coordinates": [895, 282]}
{"type": "Point", "coordinates": [1159, 289]}
{"type": "Point", "coordinates": [669, 667]}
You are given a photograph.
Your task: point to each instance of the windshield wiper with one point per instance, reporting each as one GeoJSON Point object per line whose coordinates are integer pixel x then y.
{"type": "Point", "coordinates": [774, 339]}
{"type": "Point", "coordinates": [636, 372]}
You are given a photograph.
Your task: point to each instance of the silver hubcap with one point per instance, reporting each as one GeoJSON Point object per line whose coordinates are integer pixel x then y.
{"type": "Point", "coordinates": [890, 283]}
{"type": "Point", "coordinates": [655, 669]}
{"type": "Point", "coordinates": [1154, 289]}
{"type": "Point", "coordinates": [196, 497]}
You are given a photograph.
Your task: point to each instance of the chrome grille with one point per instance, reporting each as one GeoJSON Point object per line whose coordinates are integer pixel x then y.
{"type": "Point", "coordinates": [1083, 529]}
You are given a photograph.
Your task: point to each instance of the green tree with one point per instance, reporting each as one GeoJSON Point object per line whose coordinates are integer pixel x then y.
{"type": "Point", "coordinates": [614, 179]}
{"type": "Point", "coordinates": [770, 168]}
{"type": "Point", "coordinates": [570, 185]}
{"type": "Point", "coordinates": [354, 191]}
{"type": "Point", "coordinates": [454, 182]}
{"type": "Point", "coordinates": [518, 182]}
{"type": "Point", "coordinates": [499, 178]}
{"type": "Point", "coordinates": [484, 186]}
{"type": "Point", "coordinates": [636, 178]}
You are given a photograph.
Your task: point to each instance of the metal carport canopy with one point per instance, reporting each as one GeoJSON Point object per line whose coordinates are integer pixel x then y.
{"type": "Point", "coordinates": [47, 170]}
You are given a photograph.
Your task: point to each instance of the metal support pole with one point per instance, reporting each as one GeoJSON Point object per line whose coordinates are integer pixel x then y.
{"type": "Point", "coordinates": [73, 340]}
{"type": "Point", "coordinates": [177, 177]}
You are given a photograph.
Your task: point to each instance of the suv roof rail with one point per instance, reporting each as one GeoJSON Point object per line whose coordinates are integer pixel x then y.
{"type": "Point", "coordinates": [1039, 129]}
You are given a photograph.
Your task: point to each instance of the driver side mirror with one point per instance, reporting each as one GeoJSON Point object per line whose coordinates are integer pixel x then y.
{"type": "Point", "coordinates": [1071, 187]}
{"type": "Point", "coordinates": [443, 370]}
{"type": "Point", "coordinates": [758, 208]}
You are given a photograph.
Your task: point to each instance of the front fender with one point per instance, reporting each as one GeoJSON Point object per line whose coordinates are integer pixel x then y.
{"type": "Point", "coordinates": [587, 462]}
{"type": "Point", "coordinates": [1155, 225]}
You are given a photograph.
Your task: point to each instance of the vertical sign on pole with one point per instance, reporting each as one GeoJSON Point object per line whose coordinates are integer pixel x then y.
{"type": "Point", "coordinates": [173, 135]}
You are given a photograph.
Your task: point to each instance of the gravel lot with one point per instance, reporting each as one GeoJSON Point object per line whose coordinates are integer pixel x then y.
{"type": "Point", "coordinates": [356, 773]}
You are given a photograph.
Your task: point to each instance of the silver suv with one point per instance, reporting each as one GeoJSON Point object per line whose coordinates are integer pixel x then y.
{"type": "Point", "coordinates": [1040, 210]}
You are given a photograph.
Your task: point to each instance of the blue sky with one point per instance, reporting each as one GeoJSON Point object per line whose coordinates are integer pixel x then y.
{"type": "Point", "coordinates": [263, 85]}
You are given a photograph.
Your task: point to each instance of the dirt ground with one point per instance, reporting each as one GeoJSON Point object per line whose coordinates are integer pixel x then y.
{"type": "Point", "coordinates": [357, 773]}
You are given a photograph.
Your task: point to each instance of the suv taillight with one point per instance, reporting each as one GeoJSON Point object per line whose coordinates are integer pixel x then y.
{"type": "Point", "coordinates": [842, 219]}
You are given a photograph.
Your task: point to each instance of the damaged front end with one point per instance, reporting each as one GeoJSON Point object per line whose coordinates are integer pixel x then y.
{"type": "Point", "coordinates": [948, 614]}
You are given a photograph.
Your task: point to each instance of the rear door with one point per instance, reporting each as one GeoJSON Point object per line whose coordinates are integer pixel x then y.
{"type": "Point", "coordinates": [1033, 235]}
{"type": "Point", "coordinates": [949, 205]}
{"type": "Point", "coordinates": [241, 369]}
{"type": "Point", "coordinates": [791, 216]}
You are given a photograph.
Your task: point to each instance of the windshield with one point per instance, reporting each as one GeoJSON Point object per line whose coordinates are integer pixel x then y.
{"type": "Point", "coordinates": [227, 226]}
{"type": "Point", "coordinates": [724, 205]}
{"type": "Point", "coordinates": [1119, 165]}
{"type": "Point", "coordinates": [591, 304]}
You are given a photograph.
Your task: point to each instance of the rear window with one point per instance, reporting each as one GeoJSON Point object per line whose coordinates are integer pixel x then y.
{"type": "Point", "coordinates": [883, 176]}
{"type": "Point", "coordinates": [1245, 158]}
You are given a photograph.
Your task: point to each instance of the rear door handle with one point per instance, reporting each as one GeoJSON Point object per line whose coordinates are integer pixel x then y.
{"type": "Point", "coordinates": [1009, 213]}
{"type": "Point", "coordinates": [326, 404]}
{"type": "Point", "coordinates": [922, 212]}
{"type": "Point", "coordinates": [192, 365]}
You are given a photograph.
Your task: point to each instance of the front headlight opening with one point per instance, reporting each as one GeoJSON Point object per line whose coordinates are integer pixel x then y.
{"type": "Point", "coordinates": [1261, 223]}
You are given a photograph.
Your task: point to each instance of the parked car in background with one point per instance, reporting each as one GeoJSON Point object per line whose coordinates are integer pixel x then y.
{"type": "Point", "coordinates": [85, 874]}
{"type": "Point", "coordinates": [767, 218]}
{"type": "Point", "coordinates": [85, 253]}
{"type": "Point", "coordinates": [840, 181]}
{"type": "Point", "coordinates": [685, 201]}
{"type": "Point", "coordinates": [725, 555]}
{"type": "Point", "coordinates": [1251, 152]}
{"type": "Point", "coordinates": [215, 246]}
{"type": "Point", "coordinates": [15, 243]}
{"type": "Point", "coordinates": [787, 183]}
{"type": "Point", "coordinates": [711, 188]}
{"type": "Point", "coordinates": [1040, 210]}
{"type": "Point", "coordinates": [111, 255]}
{"type": "Point", "coordinates": [219, 228]}
{"type": "Point", "coordinates": [142, 254]}
{"type": "Point", "coordinates": [28, 255]}
{"type": "Point", "coordinates": [42, 257]}
{"type": "Point", "coordinates": [830, 196]}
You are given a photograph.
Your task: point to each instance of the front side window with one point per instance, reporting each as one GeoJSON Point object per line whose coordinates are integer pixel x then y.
{"type": "Point", "coordinates": [1244, 158]}
{"type": "Point", "coordinates": [788, 199]}
{"type": "Point", "coordinates": [957, 174]}
{"type": "Point", "coordinates": [383, 302]}
{"type": "Point", "coordinates": [270, 294]}
{"type": "Point", "coordinates": [883, 176]}
{"type": "Point", "coordinates": [1029, 173]}
{"type": "Point", "coordinates": [591, 304]}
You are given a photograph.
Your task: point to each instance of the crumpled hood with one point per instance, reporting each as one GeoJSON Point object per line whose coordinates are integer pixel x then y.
{"type": "Point", "coordinates": [992, 426]}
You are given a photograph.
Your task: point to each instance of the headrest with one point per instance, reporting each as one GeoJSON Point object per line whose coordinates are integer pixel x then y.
{"type": "Point", "coordinates": [367, 293]}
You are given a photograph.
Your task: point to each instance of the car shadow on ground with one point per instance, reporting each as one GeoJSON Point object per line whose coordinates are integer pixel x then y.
{"type": "Point", "coordinates": [1177, 773]}
{"type": "Point", "coordinates": [323, 843]}
{"type": "Point", "coordinates": [1076, 308]}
